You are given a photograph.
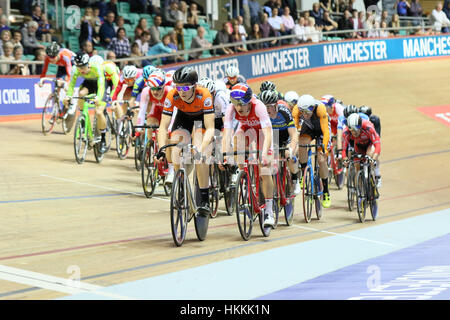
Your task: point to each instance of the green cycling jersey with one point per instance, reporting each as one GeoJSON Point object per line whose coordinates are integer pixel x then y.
{"type": "Point", "coordinates": [96, 72]}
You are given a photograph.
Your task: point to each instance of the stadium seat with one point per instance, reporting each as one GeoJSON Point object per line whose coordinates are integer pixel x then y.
{"type": "Point", "coordinates": [123, 7]}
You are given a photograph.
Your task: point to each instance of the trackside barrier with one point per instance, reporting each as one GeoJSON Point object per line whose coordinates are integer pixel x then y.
{"type": "Point", "coordinates": [22, 95]}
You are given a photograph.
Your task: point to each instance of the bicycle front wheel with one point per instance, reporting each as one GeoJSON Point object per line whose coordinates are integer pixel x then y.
{"type": "Point", "coordinates": [138, 153]}
{"type": "Point", "coordinates": [318, 188]}
{"type": "Point", "coordinates": [123, 140]}
{"type": "Point", "coordinates": [80, 139]}
{"type": "Point", "coordinates": [97, 143]}
{"type": "Point", "coordinates": [361, 197]}
{"type": "Point", "coordinates": [49, 115]}
{"type": "Point", "coordinates": [351, 188]}
{"type": "Point", "coordinates": [372, 198]}
{"type": "Point", "coordinates": [214, 189]}
{"type": "Point", "coordinates": [243, 204]}
{"type": "Point", "coordinates": [179, 209]}
{"type": "Point", "coordinates": [307, 191]}
{"type": "Point", "coordinates": [290, 198]}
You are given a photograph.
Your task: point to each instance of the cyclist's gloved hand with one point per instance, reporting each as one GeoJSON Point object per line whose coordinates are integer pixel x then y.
{"type": "Point", "coordinates": [160, 155]}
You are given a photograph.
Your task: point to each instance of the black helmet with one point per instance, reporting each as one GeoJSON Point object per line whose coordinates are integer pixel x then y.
{"type": "Point", "coordinates": [81, 59]}
{"type": "Point", "coordinates": [267, 85]}
{"type": "Point", "coordinates": [52, 49]}
{"type": "Point", "coordinates": [185, 75]}
{"type": "Point", "coordinates": [269, 97]}
{"type": "Point", "coordinates": [348, 110]}
{"type": "Point", "coordinates": [365, 109]}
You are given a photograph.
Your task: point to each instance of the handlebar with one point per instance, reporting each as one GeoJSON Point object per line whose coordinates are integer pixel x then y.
{"type": "Point", "coordinates": [59, 83]}
{"type": "Point", "coordinates": [147, 127]}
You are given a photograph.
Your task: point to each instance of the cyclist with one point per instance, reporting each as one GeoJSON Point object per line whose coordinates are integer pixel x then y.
{"type": "Point", "coordinates": [291, 98]}
{"type": "Point", "coordinates": [315, 126]}
{"type": "Point", "coordinates": [269, 85]}
{"type": "Point", "coordinates": [221, 98]}
{"type": "Point", "coordinates": [366, 140]}
{"type": "Point", "coordinates": [63, 58]}
{"type": "Point", "coordinates": [139, 84]}
{"type": "Point", "coordinates": [283, 130]}
{"type": "Point", "coordinates": [124, 87]}
{"type": "Point", "coordinates": [233, 77]}
{"type": "Point", "coordinates": [255, 124]}
{"type": "Point", "coordinates": [94, 81]}
{"type": "Point", "coordinates": [335, 110]}
{"type": "Point", "coordinates": [373, 118]}
{"type": "Point", "coordinates": [112, 77]}
{"type": "Point", "coordinates": [195, 112]}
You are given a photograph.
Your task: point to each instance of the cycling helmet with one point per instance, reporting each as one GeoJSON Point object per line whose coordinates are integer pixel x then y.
{"type": "Point", "coordinates": [220, 85]}
{"type": "Point", "coordinates": [307, 103]}
{"type": "Point", "coordinates": [96, 59]}
{"type": "Point", "coordinates": [156, 79]}
{"type": "Point", "coordinates": [328, 100]}
{"type": "Point", "coordinates": [348, 110]}
{"type": "Point", "coordinates": [232, 72]}
{"type": "Point", "coordinates": [241, 93]}
{"type": "Point", "coordinates": [81, 59]}
{"type": "Point", "coordinates": [129, 72]}
{"type": "Point", "coordinates": [291, 97]}
{"type": "Point", "coordinates": [208, 84]}
{"type": "Point", "coordinates": [269, 97]}
{"type": "Point", "coordinates": [52, 49]}
{"type": "Point", "coordinates": [366, 109]}
{"type": "Point", "coordinates": [354, 122]}
{"type": "Point", "coordinates": [185, 75]}
{"type": "Point", "coordinates": [147, 71]}
{"type": "Point", "coordinates": [267, 85]}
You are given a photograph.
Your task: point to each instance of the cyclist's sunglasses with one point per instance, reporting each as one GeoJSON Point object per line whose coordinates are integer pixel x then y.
{"type": "Point", "coordinates": [184, 88]}
{"type": "Point", "coordinates": [238, 102]}
{"type": "Point", "coordinates": [156, 88]}
{"type": "Point", "coordinates": [309, 110]}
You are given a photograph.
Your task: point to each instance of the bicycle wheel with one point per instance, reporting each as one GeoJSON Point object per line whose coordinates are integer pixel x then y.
{"type": "Point", "coordinates": [138, 153]}
{"type": "Point", "coordinates": [340, 175]}
{"type": "Point", "coordinates": [123, 140]}
{"type": "Point", "coordinates": [179, 209]}
{"type": "Point", "coordinates": [167, 187]}
{"type": "Point", "coordinates": [351, 187]}
{"type": "Point", "coordinates": [229, 192]}
{"type": "Point", "coordinates": [108, 133]}
{"type": "Point", "coordinates": [97, 143]}
{"type": "Point", "coordinates": [148, 170]}
{"type": "Point", "coordinates": [318, 188]}
{"type": "Point", "coordinates": [80, 140]}
{"type": "Point", "coordinates": [372, 198]}
{"type": "Point", "coordinates": [214, 189]}
{"type": "Point", "coordinates": [276, 201]}
{"type": "Point", "coordinates": [49, 115]}
{"type": "Point", "coordinates": [290, 198]}
{"type": "Point", "coordinates": [243, 206]}
{"type": "Point", "coordinates": [307, 194]}
{"type": "Point", "coordinates": [361, 197]}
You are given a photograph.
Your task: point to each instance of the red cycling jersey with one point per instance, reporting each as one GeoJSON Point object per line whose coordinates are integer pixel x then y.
{"type": "Point", "coordinates": [63, 59]}
{"type": "Point", "coordinates": [367, 137]}
{"type": "Point", "coordinates": [121, 83]}
{"type": "Point", "coordinates": [157, 105]}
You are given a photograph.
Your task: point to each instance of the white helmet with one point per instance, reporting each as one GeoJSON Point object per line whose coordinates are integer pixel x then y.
{"type": "Point", "coordinates": [96, 59]}
{"type": "Point", "coordinates": [232, 72]}
{"type": "Point", "coordinates": [129, 72]}
{"type": "Point", "coordinates": [291, 97]}
{"type": "Point", "coordinates": [354, 122]}
{"type": "Point", "coordinates": [208, 84]}
{"type": "Point", "coordinates": [220, 85]}
{"type": "Point", "coordinates": [306, 102]}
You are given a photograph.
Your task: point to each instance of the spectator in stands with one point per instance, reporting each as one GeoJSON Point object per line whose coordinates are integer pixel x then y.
{"type": "Point", "coordinates": [160, 47]}
{"type": "Point", "coordinates": [317, 13]}
{"type": "Point", "coordinates": [300, 31]}
{"type": "Point", "coordinates": [173, 44]}
{"type": "Point", "coordinates": [439, 19]}
{"type": "Point", "coordinates": [236, 37]}
{"type": "Point", "coordinates": [255, 34]}
{"type": "Point", "coordinates": [7, 49]}
{"type": "Point", "coordinates": [328, 23]}
{"type": "Point", "coordinates": [193, 12]}
{"type": "Point", "coordinates": [39, 56]}
{"type": "Point", "coordinates": [347, 24]}
{"type": "Point", "coordinates": [36, 13]}
{"type": "Point", "coordinates": [45, 29]}
{"type": "Point", "coordinates": [356, 24]}
{"type": "Point", "coordinates": [5, 37]}
{"type": "Point", "coordinates": [384, 16]}
{"type": "Point", "coordinates": [183, 11]}
{"type": "Point", "coordinates": [268, 6]}
{"type": "Point", "coordinates": [120, 23]}
{"type": "Point", "coordinates": [17, 38]}
{"type": "Point", "coordinates": [30, 42]}
{"type": "Point", "coordinates": [111, 55]}
{"type": "Point", "coordinates": [97, 20]}
{"type": "Point", "coordinates": [402, 7]}
{"type": "Point", "coordinates": [143, 42]}
{"type": "Point", "coordinates": [120, 45]}
{"type": "Point", "coordinates": [313, 33]}
{"type": "Point", "coordinates": [292, 5]}
{"type": "Point", "coordinates": [155, 35]}
{"type": "Point", "coordinates": [242, 31]}
{"type": "Point", "coordinates": [179, 32]}
{"type": "Point", "coordinates": [107, 31]}
{"type": "Point", "coordinates": [136, 53]}
{"type": "Point", "coordinates": [111, 6]}
{"type": "Point", "coordinates": [255, 11]}
{"type": "Point", "coordinates": [138, 33]}
{"type": "Point", "coordinates": [446, 8]}
{"type": "Point", "coordinates": [342, 6]}
{"type": "Point", "coordinates": [383, 33]}
{"type": "Point", "coordinates": [267, 30]}
{"type": "Point", "coordinates": [369, 21]}
{"type": "Point", "coordinates": [373, 27]}
{"type": "Point", "coordinates": [325, 5]}
{"type": "Point", "coordinates": [416, 10]}
{"type": "Point", "coordinates": [171, 14]}
{"type": "Point", "coordinates": [276, 23]}
{"type": "Point", "coordinates": [223, 36]}
{"type": "Point", "coordinates": [143, 24]}
{"type": "Point", "coordinates": [288, 20]}
{"type": "Point", "coordinates": [88, 47]}
{"type": "Point", "coordinates": [19, 69]}
{"type": "Point", "coordinates": [4, 23]}
{"type": "Point", "coordinates": [395, 23]}
{"type": "Point", "coordinates": [199, 41]}
{"type": "Point", "coordinates": [87, 29]}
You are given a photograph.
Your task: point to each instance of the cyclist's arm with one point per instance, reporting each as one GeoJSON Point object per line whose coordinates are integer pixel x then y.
{"type": "Point", "coordinates": [144, 104]}
{"type": "Point", "coordinates": [324, 125]}
{"type": "Point", "coordinates": [345, 142]}
{"type": "Point", "coordinates": [266, 126]}
{"type": "Point", "coordinates": [100, 85]}
{"type": "Point", "coordinates": [137, 88]}
{"type": "Point", "coordinates": [45, 67]}
{"type": "Point", "coordinates": [117, 91]}
{"type": "Point", "coordinates": [163, 129]}
{"type": "Point", "coordinates": [115, 80]}
{"type": "Point", "coordinates": [296, 116]}
{"type": "Point", "coordinates": [73, 80]}
{"type": "Point", "coordinates": [376, 141]}
{"type": "Point", "coordinates": [208, 120]}
{"type": "Point", "coordinates": [67, 65]}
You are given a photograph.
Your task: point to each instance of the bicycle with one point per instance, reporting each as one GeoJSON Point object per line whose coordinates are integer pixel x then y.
{"type": "Point", "coordinates": [183, 206]}
{"type": "Point", "coordinates": [366, 188]}
{"type": "Point", "coordinates": [86, 135]}
{"type": "Point", "coordinates": [284, 189]}
{"type": "Point", "coordinates": [123, 131]}
{"type": "Point", "coordinates": [249, 200]}
{"type": "Point", "coordinates": [351, 184]}
{"type": "Point", "coordinates": [312, 189]}
{"type": "Point", "coordinates": [335, 166]}
{"type": "Point", "coordinates": [53, 111]}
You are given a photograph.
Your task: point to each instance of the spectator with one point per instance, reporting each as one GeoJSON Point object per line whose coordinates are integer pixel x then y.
{"type": "Point", "coordinates": [173, 44]}
{"type": "Point", "coordinates": [342, 6]}
{"type": "Point", "coordinates": [223, 37]}
{"type": "Point", "coordinates": [179, 31]}
{"type": "Point", "coordinates": [356, 24]}
{"type": "Point", "coordinates": [171, 14]}
{"type": "Point", "coordinates": [120, 45]}
{"type": "Point", "coordinates": [325, 5]}
{"type": "Point", "coordinates": [267, 30]}
{"type": "Point", "coordinates": [107, 32]}
{"type": "Point", "coordinates": [155, 35]}
{"type": "Point", "coordinates": [143, 24]}
{"type": "Point", "coordinates": [199, 41]}
{"type": "Point", "coordinates": [87, 30]}
{"type": "Point", "coordinates": [328, 23]}
{"type": "Point", "coordinates": [7, 55]}
{"type": "Point", "coordinates": [120, 23]}
{"type": "Point", "coordinates": [19, 69]}
{"type": "Point", "coordinates": [136, 53]}
{"type": "Point", "coordinates": [374, 31]}
{"type": "Point", "coordinates": [5, 37]}
{"type": "Point", "coordinates": [193, 12]}
{"type": "Point", "coordinates": [313, 33]}
{"type": "Point", "coordinates": [4, 23]}
{"type": "Point", "coordinates": [36, 13]}
{"type": "Point", "coordinates": [279, 7]}
{"type": "Point", "coordinates": [39, 56]}
{"type": "Point", "coordinates": [292, 5]}
{"type": "Point", "coordinates": [300, 31]}
{"type": "Point", "coordinates": [111, 55]}
{"type": "Point", "coordinates": [159, 48]}
{"type": "Point", "coordinates": [255, 34]}
{"type": "Point", "coordinates": [144, 42]}
{"type": "Point", "coordinates": [30, 42]}
{"type": "Point", "coordinates": [138, 33]}
{"type": "Point", "coordinates": [255, 10]}
{"type": "Point", "coordinates": [17, 38]}
{"type": "Point", "coordinates": [439, 20]}
{"type": "Point", "coordinates": [268, 6]}
{"type": "Point", "coordinates": [383, 33]}
{"type": "Point", "coordinates": [276, 23]}
{"type": "Point", "coordinates": [369, 20]}
{"type": "Point", "coordinates": [97, 20]}
{"type": "Point", "coordinates": [287, 20]}
{"type": "Point", "coordinates": [402, 7]}
{"type": "Point", "coordinates": [242, 31]}
{"type": "Point", "coordinates": [45, 29]}
{"type": "Point", "coordinates": [236, 37]}
{"type": "Point", "coordinates": [317, 13]}
{"type": "Point", "coordinates": [347, 24]}
{"type": "Point", "coordinates": [111, 6]}
{"type": "Point", "coordinates": [395, 23]}
{"type": "Point", "coordinates": [416, 10]}
{"type": "Point", "coordinates": [183, 11]}
{"type": "Point", "coordinates": [88, 47]}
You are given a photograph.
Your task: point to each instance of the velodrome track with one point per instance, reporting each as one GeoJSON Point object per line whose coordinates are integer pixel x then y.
{"type": "Point", "coordinates": [62, 221]}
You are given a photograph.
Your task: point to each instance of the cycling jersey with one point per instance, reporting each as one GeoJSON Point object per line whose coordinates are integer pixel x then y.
{"type": "Point", "coordinates": [96, 72]}
{"type": "Point", "coordinates": [157, 105]}
{"type": "Point", "coordinates": [338, 111]}
{"type": "Point", "coordinates": [240, 79]}
{"type": "Point", "coordinates": [367, 137]}
{"type": "Point", "coordinates": [202, 103]}
{"type": "Point", "coordinates": [64, 59]}
{"type": "Point", "coordinates": [112, 72]}
{"type": "Point", "coordinates": [282, 122]}
{"type": "Point", "coordinates": [139, 85]}
{"type": "Point", "coordinates": [221, 103]}
{"type": "Point", "coordinates": [122, 82]}
{"type": "Point", "coordinates": [318, 126]}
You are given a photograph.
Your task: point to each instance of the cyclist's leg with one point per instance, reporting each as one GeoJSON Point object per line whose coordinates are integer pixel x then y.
{"type": "Point", "coordinates": [370, 152]}
{"type": "Point", "coordinates": [323, 173]}
{"type": "Point", "coordinates": [303, 152]}
{"type": "Point", "coordinates": [266, 172]}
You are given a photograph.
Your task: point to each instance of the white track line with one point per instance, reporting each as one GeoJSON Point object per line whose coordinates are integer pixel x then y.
{"type": "Point", "coordinates": [346, 236]}
{"type": "Point", "coordinates": [53, 283]}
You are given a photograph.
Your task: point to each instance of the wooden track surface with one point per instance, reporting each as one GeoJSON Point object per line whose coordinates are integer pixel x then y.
{"type": "Point", "coordinates": [56, 214]}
